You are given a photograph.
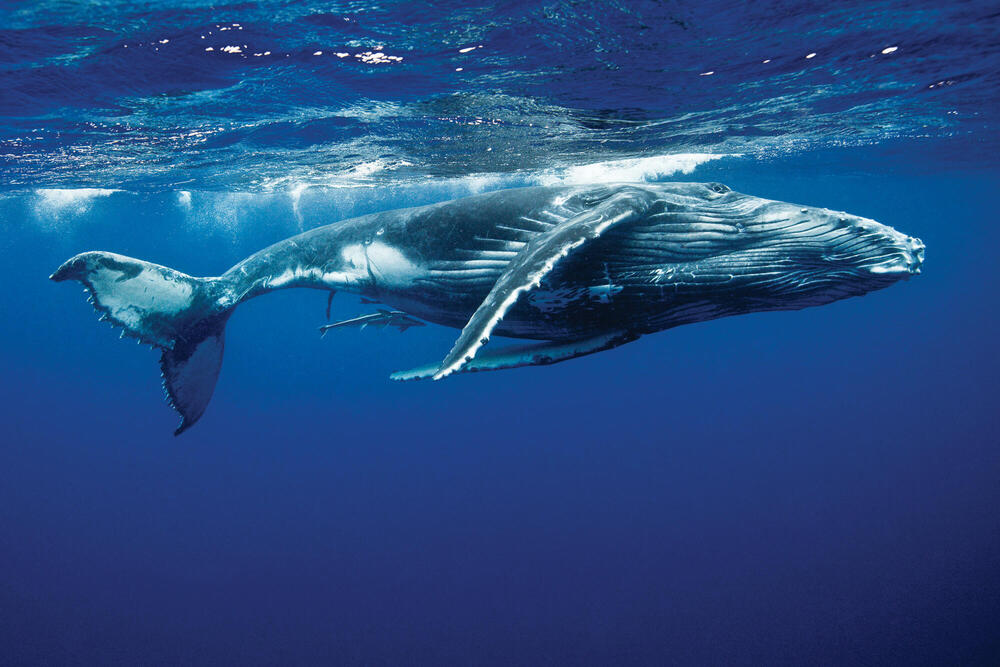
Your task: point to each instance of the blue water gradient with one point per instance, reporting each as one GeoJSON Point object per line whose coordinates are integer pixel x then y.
{"type": "Point", "coordinates": [799, 488]}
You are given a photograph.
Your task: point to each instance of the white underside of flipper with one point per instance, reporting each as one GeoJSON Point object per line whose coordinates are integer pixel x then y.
{"type": "Point", "coordinates": [516, 356]}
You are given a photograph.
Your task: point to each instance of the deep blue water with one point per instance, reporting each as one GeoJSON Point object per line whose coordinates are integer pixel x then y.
{"type": "Point", "coordinates": [812, 487]}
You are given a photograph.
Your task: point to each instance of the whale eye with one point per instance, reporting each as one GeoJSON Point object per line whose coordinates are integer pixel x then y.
{"type": "Point", "coordinates": [719, 187]}
{"type": "Point", "coordinates": [661, 206]}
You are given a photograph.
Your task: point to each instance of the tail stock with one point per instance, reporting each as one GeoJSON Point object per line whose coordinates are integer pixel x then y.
{"type": "Point", "coordinates": [182, 315]}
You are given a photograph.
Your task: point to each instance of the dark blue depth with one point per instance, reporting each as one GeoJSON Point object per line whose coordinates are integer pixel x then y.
{"type": "Point", "coordinates": [797, 488]}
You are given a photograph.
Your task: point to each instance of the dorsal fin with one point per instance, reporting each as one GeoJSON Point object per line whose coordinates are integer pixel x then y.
{"type": "Point", "coordinates": [532, 264]}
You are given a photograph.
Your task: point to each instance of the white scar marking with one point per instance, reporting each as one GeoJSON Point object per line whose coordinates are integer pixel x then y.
{"type": "Point", "coordinates": [284, 278]}
{"type": "Point", "coordinates": [130, 300]}
{"type": "Point", "coordinates": [360, 263]}
{"type": "Point", "coordinates": [379, 261]}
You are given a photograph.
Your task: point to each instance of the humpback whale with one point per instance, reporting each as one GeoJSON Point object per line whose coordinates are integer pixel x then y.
{"type": "Point", "coordinates": [580, 269]}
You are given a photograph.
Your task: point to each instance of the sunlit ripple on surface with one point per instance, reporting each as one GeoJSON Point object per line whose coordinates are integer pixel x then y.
{"type": "Point", "coordinates": [150, 97]}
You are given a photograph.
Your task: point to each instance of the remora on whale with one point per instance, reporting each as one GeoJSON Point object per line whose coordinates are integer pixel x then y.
{"type": "Point", "coordinates": [583, 268]}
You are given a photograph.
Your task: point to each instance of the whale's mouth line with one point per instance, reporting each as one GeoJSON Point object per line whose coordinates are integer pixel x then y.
{"type": "Point", "coordinates": [892, 268]}
{"type": "Point", "coordinates": [901, 257]}
{"type": "Point", "coordinates": [907, 261]}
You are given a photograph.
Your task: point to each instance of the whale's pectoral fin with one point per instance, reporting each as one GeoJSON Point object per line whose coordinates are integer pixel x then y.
{"type": "Point", "coordinates": [532, 264]}
{"type": "Point", "coordinates": [516, 356]}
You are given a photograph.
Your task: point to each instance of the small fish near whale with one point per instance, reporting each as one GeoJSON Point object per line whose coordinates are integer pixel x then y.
{"type": "Point", "coordinates": [579, 268]}
{"type": "Point", "coordinates": [381, 318]}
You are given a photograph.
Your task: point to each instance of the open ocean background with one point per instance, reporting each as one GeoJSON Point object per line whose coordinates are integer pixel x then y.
{"type": "Point", "coordinates": [802, 488]}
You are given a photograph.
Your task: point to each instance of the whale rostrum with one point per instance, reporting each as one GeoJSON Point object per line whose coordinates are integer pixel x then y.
{"type": "Point", "coordinates": [579, 268]}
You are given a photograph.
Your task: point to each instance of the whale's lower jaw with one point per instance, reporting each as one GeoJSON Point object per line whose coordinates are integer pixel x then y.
{"type": "Point", "coordinates": [648, 305]}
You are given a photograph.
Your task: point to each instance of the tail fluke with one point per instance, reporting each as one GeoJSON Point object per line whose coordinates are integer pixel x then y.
{"type": "Point", "coordinates": [189, 375]}
{"type": "Point", "coordinates": [182, 315]}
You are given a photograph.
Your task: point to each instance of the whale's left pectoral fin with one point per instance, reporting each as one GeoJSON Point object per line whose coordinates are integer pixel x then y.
{"type": "Point", "coordinates": [516, 356]}
{"type": "Point", "coordinates": [536, 260]}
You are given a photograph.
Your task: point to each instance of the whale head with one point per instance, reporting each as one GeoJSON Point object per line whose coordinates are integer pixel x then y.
{"type": "Point", "coordinates": [759, 254]}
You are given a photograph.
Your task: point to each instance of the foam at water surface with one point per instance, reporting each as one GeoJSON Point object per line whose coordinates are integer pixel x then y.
{"type": "Point", "coordinates": [298, 205]}
{"type": "Point", "coordinates": [148, 97]}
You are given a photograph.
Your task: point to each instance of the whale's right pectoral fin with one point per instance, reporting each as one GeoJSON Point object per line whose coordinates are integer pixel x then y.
{"type": "Point", "coordinates": [532, 264]}
{"type": "Point", "coordinates": [516, 356]}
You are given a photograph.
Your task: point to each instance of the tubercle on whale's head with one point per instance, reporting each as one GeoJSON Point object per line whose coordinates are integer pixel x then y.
{"type": "Point", "coordinates": [779, 255]}
{"type": "Point", "coordinates": [834, 253]}
{"type": "Point", "coordinates": [864, 245]}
